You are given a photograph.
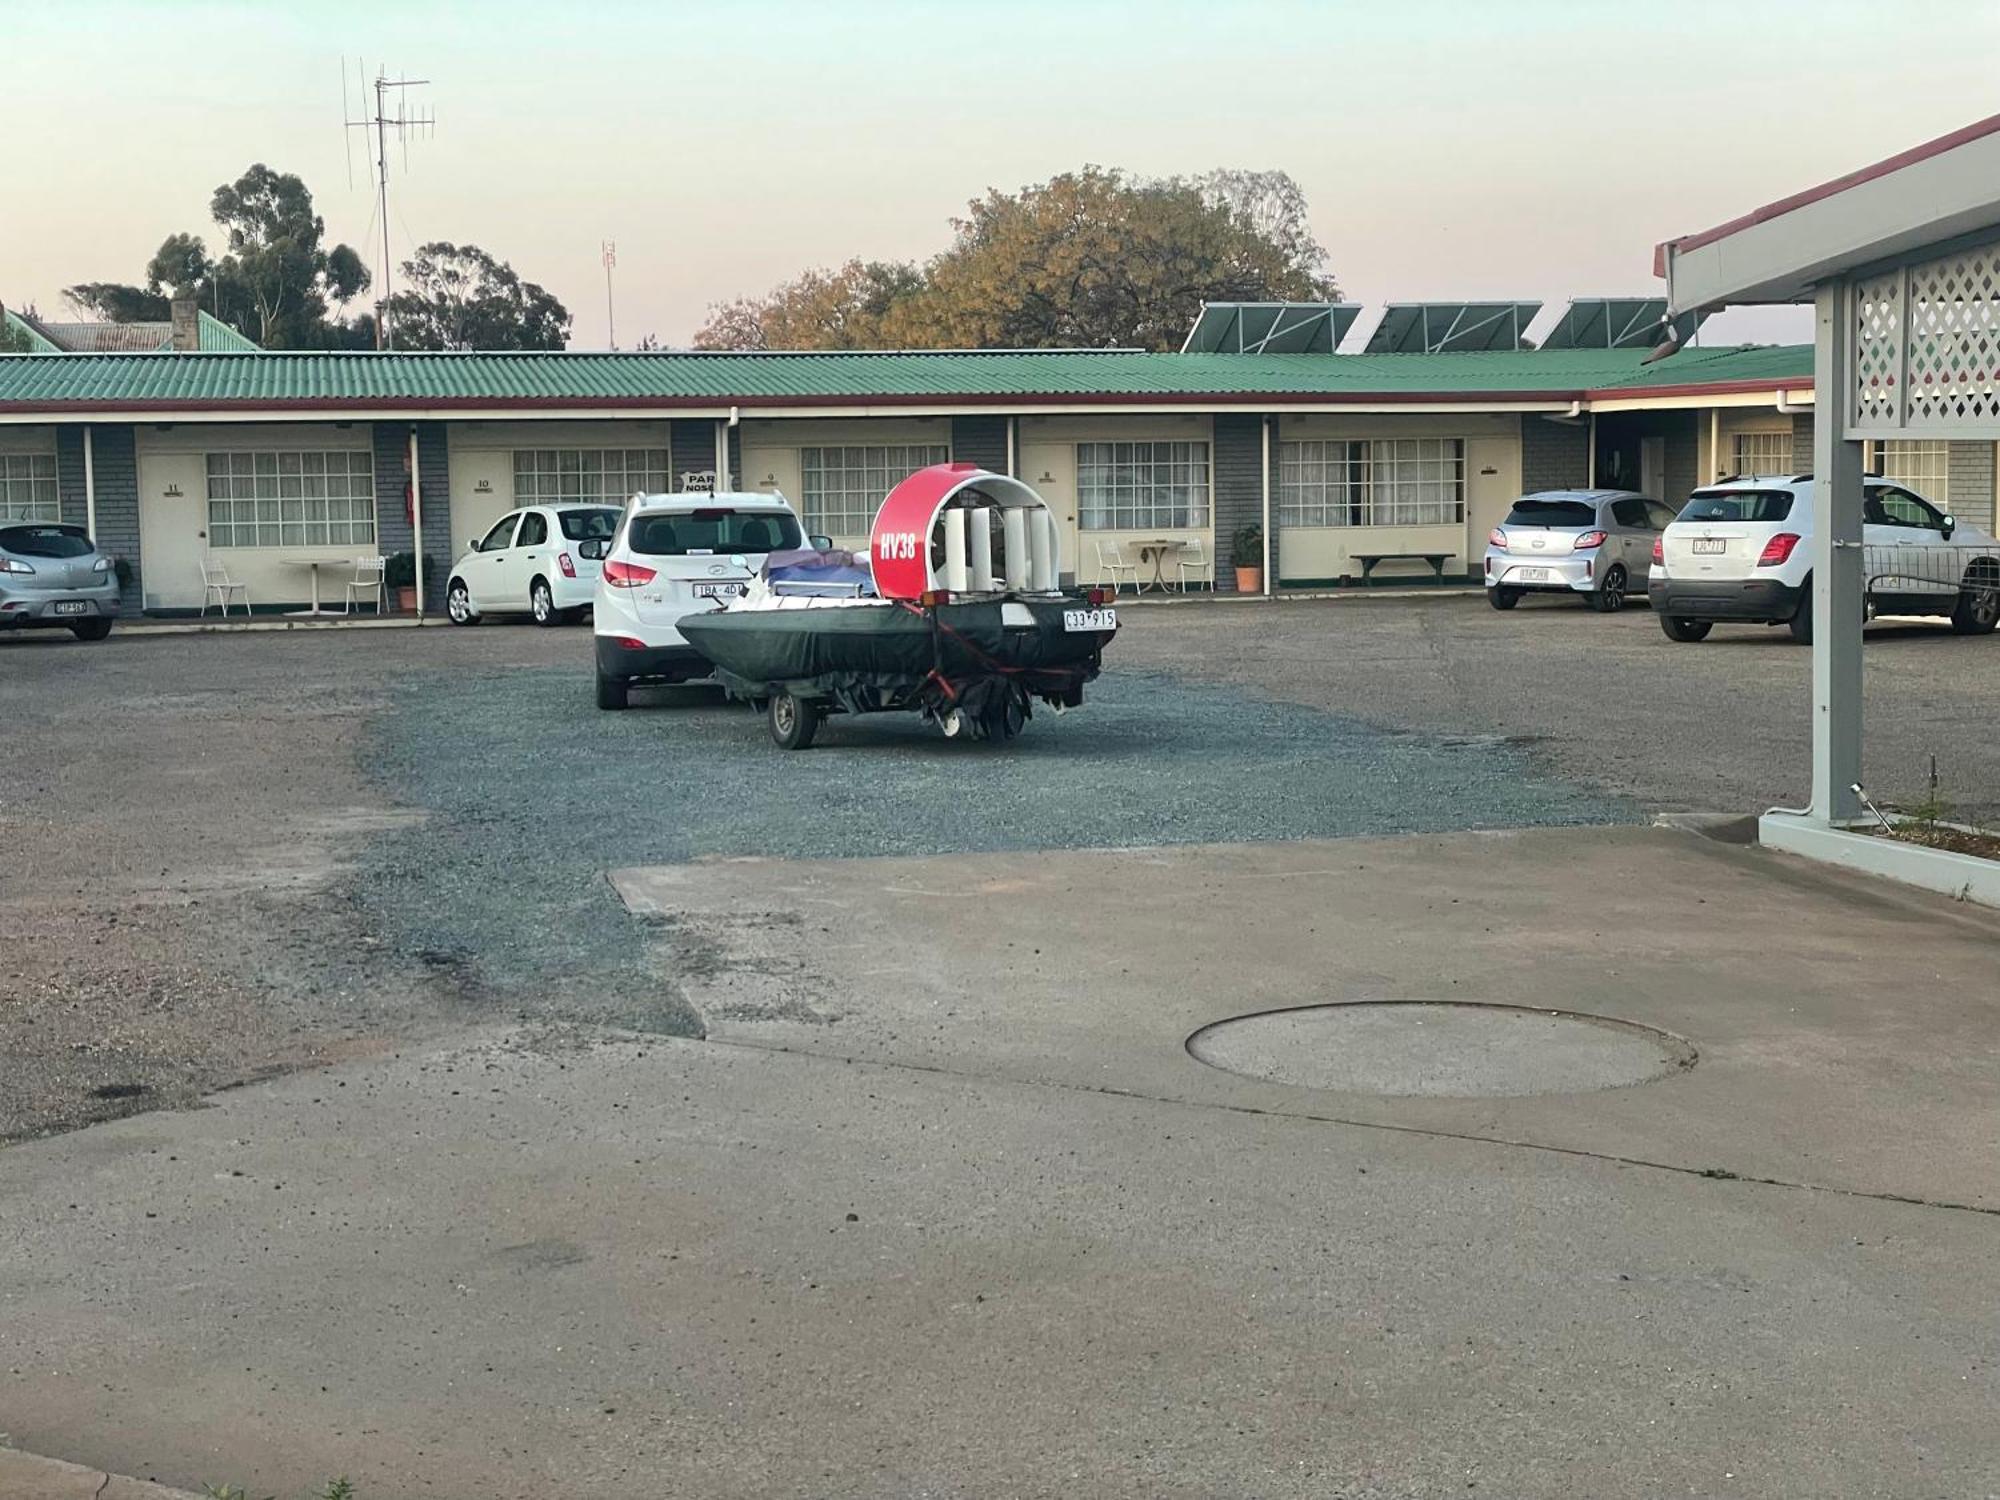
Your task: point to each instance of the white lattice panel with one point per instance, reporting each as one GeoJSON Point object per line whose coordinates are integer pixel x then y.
{"type": "Point", "coordinates": [1927, 346]}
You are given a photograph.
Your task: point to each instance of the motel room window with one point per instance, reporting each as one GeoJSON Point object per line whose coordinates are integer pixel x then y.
{"type": "Point", "coordinates": [840, 489]}
{"type": "Point", "coordinates": [297, 499]}
{"type": "Point", "coordinates": [1924, 464]}
{"type": "Point", "coordinates": [545, 476]}
{"type": "Point", "coordinates": [1763, 453]}
{"type": "Point", "coordinates": [1138, 486]}
{"type": "Point", "coordinates": [1372, 482]}
{"type": "Point", "coordinates": [28, 488]}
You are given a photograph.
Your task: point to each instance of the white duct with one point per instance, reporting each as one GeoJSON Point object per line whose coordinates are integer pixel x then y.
{"type": "Point", "coordinates": [1042, 565]}
{"type": "Point", "coordinates": [1014, 533]}
{"type": "Point", "coordinates": [979, 542]}
{"type": "Point", "coordinates": [955, 577]}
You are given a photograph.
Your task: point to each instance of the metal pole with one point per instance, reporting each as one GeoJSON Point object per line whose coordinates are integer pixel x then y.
{"type": "Point", "coordinates": [1837, 569]}
{"type": "Point", "coordinates": [417, 521]}
{"type": "Point", "coordinates": [1715, 469]}
{"type": "Point", "coordinates": [1265, 424]}
{"type": "Point", "coordinates": [1591, 462]}
{"type": "Point", "coordinates": [610, 316]}
{"type": "Point", "coordinates": [382, 178]}
{"type": "Point", "coordinates": [89, 483]}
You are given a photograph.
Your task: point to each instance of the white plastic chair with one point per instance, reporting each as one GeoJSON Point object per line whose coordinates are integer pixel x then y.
{"type": "Point", "coordinates": [369, 581]}
{"type": "Point", "coordinates": [1193, 558]}
{"type": "Point", "coordinates": [1111, 564]}
{"type": "Point", "coordinates": [217, 588]}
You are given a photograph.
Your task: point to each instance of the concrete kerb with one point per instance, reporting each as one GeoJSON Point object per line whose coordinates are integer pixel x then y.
{"type": "Point", "coordinates": [1960, 876]}
{"type": "Point", "coordinates": [256, 626]}
{"type": "Point", "coordinates": [27, 1476]}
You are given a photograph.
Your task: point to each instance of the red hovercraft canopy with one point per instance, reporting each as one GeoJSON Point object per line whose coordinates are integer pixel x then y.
{"type": "Point", "coordinates": [961, 529]}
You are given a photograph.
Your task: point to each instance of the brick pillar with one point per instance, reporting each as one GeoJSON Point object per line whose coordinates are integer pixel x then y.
{"type": "Point", "coordinates": [186, 325]}
{"type": "Point", "coordinates": [980, 440]}
{"type": "Point", "coordinates": [1554, 455]}
{"type": "Point", "coordinates": [393, 531]}
{"type": "Point", "coordinates": [1239, 489]}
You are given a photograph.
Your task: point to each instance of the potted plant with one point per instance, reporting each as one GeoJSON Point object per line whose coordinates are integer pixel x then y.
{"type": "Point", "coordinates": [399, 572]}
{"type": "Point", "coordinates": [1246, 552]}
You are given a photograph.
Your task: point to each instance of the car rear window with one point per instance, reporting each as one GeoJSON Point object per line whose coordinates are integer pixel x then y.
{"type": "Point", "coordinates": [714, 529]}
{"type": "Point", "coordinates": [588, 525]}
{"type": "Point", "coordinates": [45, 541]}
{"type": "Point", "coordinates": [1737, 505]}
{"type": "Point", "coordinates": [1532, 512]}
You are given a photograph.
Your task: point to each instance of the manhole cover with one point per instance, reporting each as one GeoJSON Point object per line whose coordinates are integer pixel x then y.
{"type": "Point", "coordinates": [1444, 1051]}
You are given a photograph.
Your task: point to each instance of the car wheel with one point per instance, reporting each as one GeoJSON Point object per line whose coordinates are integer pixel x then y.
{"type": "Point", "coordinates": [458, 604]}
{"type": "Point", "coordinates": [1609, 595]}
{"type": "Point", "coordinates": [1681, 628]}
{"type": "Point", "coordinates": [1501, 598]}
{"type": "Point", "coordinates": [794, 720]}
{"type": "Point", "coordinates": [542, 604]}
{"type": "Point", "coordinates": [99, 628]}
{"type": "Point", "coordinates": [612, 692]}
{"type": "Point", "coordinates": [1978, 608]}
{"type": "Point", "coordinates": [1801, 622]}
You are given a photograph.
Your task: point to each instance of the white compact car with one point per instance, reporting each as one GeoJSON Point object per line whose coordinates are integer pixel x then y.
{"type": "Point", "coordinates": [1740, 551]}
{"type": "Point", "coordinates": [542, 561]}
{"type": "Point", "coordinates": [672, 556]}
{"type": "Point", "coordinates": [1596, 543]}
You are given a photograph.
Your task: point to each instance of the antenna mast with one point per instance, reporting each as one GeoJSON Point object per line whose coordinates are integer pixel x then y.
{"type": "Point", "coordinates": [382, 122]}
{"type": "Point", "coordinates": [610, 319]}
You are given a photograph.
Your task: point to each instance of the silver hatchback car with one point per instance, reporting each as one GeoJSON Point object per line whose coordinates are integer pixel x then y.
{"type": "Point", "coordinates": [1597, 543]}
{"type": "Point", "coordinates": [53, 576]}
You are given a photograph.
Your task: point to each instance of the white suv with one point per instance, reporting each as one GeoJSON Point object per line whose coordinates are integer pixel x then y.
{"type": "Point", "coordinates": [676, 555]}
{"type": "Point", "coordinates": [1740, 551]}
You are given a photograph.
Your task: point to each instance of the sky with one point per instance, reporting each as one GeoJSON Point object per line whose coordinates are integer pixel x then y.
{"type": "Point", "coordinates": [1448, 148]}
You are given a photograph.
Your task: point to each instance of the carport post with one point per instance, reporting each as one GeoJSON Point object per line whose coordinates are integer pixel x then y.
{"type": "Point", "coordinates": [1837, 565]}
{"type": "Point", "coordinates": [417, 522]}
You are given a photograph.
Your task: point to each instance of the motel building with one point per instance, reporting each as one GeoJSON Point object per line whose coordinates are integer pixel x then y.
{"type": "Point", "coordinates": [1392, 461]}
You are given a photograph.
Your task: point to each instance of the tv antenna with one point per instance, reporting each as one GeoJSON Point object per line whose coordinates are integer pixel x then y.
{"type": "Point", "coordinates": [610, 264]}
{"type": "Point", "coordinates": [403, 123]}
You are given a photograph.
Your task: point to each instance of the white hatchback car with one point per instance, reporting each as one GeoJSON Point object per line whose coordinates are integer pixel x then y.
{"type": "Point", "coordinates": [1739, 551]}
{"type": "Point", "coordinates": [672, 556]}
{"type": "Point", "coordinates": [541, 561]}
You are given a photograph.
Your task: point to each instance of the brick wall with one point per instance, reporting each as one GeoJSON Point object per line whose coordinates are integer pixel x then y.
{"type": "Point", "coordinates": [1554, 455]}
{"type": "Point", "coordinates": [1802, 444]}
{"type": "Point", "coordinates": [1683, 432]}
{"type": "Point", "coordinates": [393, 532]}
{"type": "Point", "coordinates": [691, 448]}
{"type": "Point", "coordinates": [980, 440]}
{"type": "Point", "coordinates": [69, 476]}
{"type": "Point", "coordinates": [1239, 487]}
{"type": "Point", "coordinates": [1972, 484]}
{"type": "Point", "coordinates": [114, 470]}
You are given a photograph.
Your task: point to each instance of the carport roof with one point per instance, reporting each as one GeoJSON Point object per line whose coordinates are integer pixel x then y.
{"type": "Point", "coordinates": [55, 386]}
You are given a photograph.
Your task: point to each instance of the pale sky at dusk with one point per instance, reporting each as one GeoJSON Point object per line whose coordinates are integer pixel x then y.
{"type": "Point", "coordinates": [1447, 149]}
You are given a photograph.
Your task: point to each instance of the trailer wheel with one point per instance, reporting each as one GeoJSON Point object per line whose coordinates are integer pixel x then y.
{"type": "Point", "coordinates": [794, 720]}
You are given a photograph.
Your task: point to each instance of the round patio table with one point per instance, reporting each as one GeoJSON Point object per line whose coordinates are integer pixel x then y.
{"type": "Point", "coordinates": [1154, 550]}
{"type": "Point", "coordinates": [315, 564]}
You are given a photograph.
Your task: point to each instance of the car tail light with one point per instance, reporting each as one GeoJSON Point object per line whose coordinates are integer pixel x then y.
{"type": "Point", "coordinates": [1588, 540]}
{"type": "Point", "coordinates": [629, 642]}
{"type": "Point", "coordinates": [624, 575]}
{"type": "Point", "coordinates": [1496, 538]}
{"type": "Point", "coordinates": [1096, 598]}
{"type": "Point", "coordinates": [1659, 549]}
{"type": "Point", "coordinates": [103, 565]}
{"type": "Point", "coordinates": [14, 565]}
{"type": "Point", "coordinates": [568, 567]}
{"type": "Point", "coordinates": [1778, 550]}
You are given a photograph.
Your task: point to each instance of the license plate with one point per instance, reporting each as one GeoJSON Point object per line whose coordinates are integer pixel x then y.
{"type": "Point", "coordinates": [69, 607]}
{"type": "Point", "coordinates": [720, 590]}
{"type": "Point", "coordinates": [1090, 619]}
{"type": "Point", "coordinates": [1534, 575]}
{"type": "Point", "coordinates": [1709, 544]}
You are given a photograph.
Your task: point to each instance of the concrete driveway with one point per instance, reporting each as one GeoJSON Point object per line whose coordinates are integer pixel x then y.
{"type": "Point", "coordinates": [943, 1206]}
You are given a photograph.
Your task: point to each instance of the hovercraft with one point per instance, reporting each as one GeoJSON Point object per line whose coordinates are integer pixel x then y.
{"type": "Point", "coordinates": [956, 613]}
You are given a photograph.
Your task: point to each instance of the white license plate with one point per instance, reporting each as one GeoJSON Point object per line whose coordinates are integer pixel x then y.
{"type": "Point", "coordinates": [1090, 619]}
{"type": "Point", "coordinates": [1708, 544]}
{"type": "Point", "coordinates": [1534, 575]}
{"type": "Point", "coordinates": [719, 590]}
{"type": "Point", "coordinates": [69, 607]}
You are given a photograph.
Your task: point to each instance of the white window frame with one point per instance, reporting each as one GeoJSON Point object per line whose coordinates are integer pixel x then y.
{"type": "Point", "coordinates": [1920, 464]}
{"type": "Point", "coordinates": [1776, 447]}
{"type": "Point", "coordinates": [290, 497]}
{"type": "Point", "coordinates": [1159, 484]}
{"type": "Point", "coordinates": [589, 476]}
{"type": "Point", "coordinates": [28, 488]}
{"type": "Point", "coordinates": [1363, 482]}
{"type": "Point", "coordinates": [842, 485]}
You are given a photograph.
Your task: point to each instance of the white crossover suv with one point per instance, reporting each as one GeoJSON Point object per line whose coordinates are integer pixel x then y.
{"type": "Point", "coordinates": [672, 556]}
{"type": "Point", "coordinates": [542, 561]}
{"type": "Point", "coordinates": [1740, 551]}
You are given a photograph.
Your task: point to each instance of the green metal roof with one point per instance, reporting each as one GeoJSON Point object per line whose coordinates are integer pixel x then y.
{"type": "Point", "coordinates": [217, 337]}
{"type": "Point", "coordinates": [37, 342]}
{"type": "Point", "coordinates": [264, 381]}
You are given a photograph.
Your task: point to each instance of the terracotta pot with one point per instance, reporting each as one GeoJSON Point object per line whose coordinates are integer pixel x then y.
{"type": "Point", "coordinates": [406, 600]}
{"type": "Point", "coordinates": [1249, 580]}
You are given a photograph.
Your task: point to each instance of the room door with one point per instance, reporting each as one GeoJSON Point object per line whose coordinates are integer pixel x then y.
{"type": "Point", "coordinates": [173, 529]}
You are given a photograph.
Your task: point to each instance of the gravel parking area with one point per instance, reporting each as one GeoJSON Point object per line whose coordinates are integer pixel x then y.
{"type": "Point", "coordinates": [235, 855]}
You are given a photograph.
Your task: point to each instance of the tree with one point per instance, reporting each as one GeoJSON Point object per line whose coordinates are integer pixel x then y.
{"type": "Point", "coordinates": [841, 309]}
{"type": "Point", "coordinates": [459, 297]}
{"type": "Point", "coordinates": [274, 284]}
{"type": "Point", "coordinates": [1090, 258]}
